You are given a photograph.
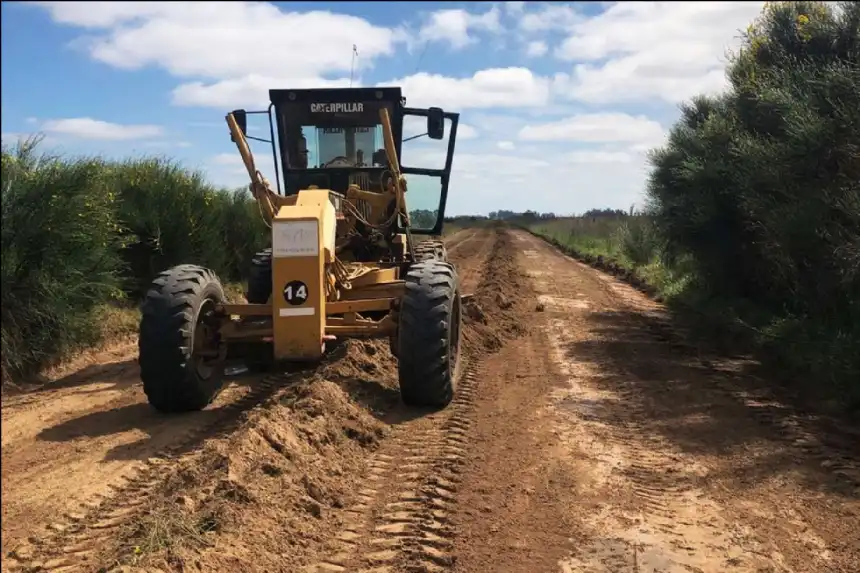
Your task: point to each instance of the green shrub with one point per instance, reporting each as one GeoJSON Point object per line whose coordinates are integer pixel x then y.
{"type": "Point", "coordinates": [172, 216]}
{"type": "Point", "coordinates": [637, 241]}
{"type": "Point", "coordinates": [59, 255]}
{"type": "Point", "coordinates": [82, 233]}
{"type": "Point", "coordinates": [760, 187]}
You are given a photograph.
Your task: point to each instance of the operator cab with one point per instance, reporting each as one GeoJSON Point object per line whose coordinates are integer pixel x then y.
{"type": "Point", "coordinates": [333, 138]}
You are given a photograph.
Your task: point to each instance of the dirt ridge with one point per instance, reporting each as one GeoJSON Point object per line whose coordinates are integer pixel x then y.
{"type": "Point", "coordinates": [352, 391]}
{"type": "Point", "coordinates": [76, 537]}
{"type": "Point", "coordinates": [408, 524]}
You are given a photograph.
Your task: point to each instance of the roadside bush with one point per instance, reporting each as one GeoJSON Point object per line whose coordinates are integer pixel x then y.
{"type": "Point", "coordinates": [60, 257]}
{"type": "Point", "coordinates": [761, 187]}
{"type": "Point", "coordinates": [171, 216]}
{"type": "Point", "coordinates": [82, 233]}
{"type": "Point", "coordinates": [637, 241]}
{"type": "Point", "coordinates": [753, 215]}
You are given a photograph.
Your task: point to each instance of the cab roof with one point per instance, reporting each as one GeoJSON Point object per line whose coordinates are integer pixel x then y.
{"type": "Point", "coordinates": [335, 95]}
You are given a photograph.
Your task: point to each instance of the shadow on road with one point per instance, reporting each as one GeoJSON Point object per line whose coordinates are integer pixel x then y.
{"type": "Point", "coordinates": [699, 404]}
{"type": "Point", "coordinates": [140, 416]}
{"type": "Point", "coordinates": [161, 431]}
{"type": "Point", "coordinates": [117, 375]}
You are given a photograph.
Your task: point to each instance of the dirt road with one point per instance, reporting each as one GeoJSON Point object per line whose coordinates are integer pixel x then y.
{"type": "Point", "coordinates": [585, 437]}
{"type": "Point", "coordinates": [603, 444]}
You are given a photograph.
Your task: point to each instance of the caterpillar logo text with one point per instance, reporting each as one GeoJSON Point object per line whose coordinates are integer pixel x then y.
{"type": "Point", "coordinates": [337, 107]}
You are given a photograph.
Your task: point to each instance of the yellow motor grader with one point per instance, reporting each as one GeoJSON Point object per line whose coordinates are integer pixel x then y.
{"type": "Point", "coordinates": [344, 259]}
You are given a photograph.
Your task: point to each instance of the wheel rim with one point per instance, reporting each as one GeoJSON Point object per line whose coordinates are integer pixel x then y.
{"type": "Point", "coordinates": [454, 345]}
{"type": "Point", "coordinates": [205, 341]}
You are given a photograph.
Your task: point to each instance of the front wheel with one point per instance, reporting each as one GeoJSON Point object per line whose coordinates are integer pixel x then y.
{"type": "Point", "coordinates": [181, 359]}
{"type": "Point", "coordinates": [428, 345]}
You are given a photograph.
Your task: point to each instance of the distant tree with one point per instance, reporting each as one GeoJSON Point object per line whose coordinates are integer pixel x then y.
{"type": "Point", "coordinates": [423, 218]}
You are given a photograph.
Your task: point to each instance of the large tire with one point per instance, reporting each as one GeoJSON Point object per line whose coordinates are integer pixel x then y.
{"type": "Point", "coordinates": [260, 278]}
{"type": "Point", "coordinates": [429, 335]}
{"type": "Point", "coordinates": [431, 249]}
{"type": "Point", "coordinates": [259, 357]}
{"type": "Point", "coordinates": [174, 380]}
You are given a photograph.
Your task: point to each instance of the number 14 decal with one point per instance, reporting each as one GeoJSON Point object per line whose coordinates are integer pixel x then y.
{"type": "Point", "coordinates": [296, 292]}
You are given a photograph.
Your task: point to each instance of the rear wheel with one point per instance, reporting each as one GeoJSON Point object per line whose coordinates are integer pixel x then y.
{"type": "Point", "coordinates": [260, 356]}
{"type": "Point", "coordinates": [431, 249]}
{"type": "Point", "coordinates": [260, 278]}
{"type": "Point", "coordinates": [181, 358]}
{"type": "Point", "coordinates": [429, 334]}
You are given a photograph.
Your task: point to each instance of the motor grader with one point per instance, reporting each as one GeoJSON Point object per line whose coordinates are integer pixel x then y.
{"type": "Point", "coordinates": [345, 260]}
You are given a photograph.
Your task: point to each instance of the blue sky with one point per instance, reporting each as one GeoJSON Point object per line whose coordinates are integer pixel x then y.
{"type": "Point", "coordinates": [559, 102]}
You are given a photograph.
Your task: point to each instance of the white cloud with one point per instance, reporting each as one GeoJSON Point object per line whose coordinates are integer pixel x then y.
{"type": "Point", "coordinates": [536, 49]}
{"type": "Point", "coordinates": [652, 50]}
{"type": "Point", "coordinates": [250, 91]}
{"type": "Point", "coordinates": [88, 128]}
{"type": "Point", "coordinates": [453, 26]}
{"type": "Point", "coordinates": [514, 8]}
{"type": "Point", "coordinates": [228, 170]}
{"type": "Point", "coordinates": [549, 17]}
{"type": "Point", "coordinates": [466, 131]}
{"type": "Point", "coordinates": [225, 39]}
{"type": "Point", "coordinates": [103, 14]}
{"type": "Point", "coordinates": [600, 157]}
{"type": "Point", "coordinates": [12, 137]}
{"type": "Point", "coordinates": [496, 87]}
{"type": "Point", "coordinates": [597, 128]}
{"type": "Point", "coordinates": [232, 51]}
{"type": "Point", "coordinates": [168, 144]}
{"type": "Point", "coordinates": [228, 160]}
{"type": "Point", "coordinates": [413, 125]}
{"type": "Point", "coordinates": [229, 54]}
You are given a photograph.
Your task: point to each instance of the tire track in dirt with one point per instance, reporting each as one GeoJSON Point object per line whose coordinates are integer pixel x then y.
{"type": "Point", "coordinates": [682, 478]}
{"type": "Point", "coordinates": [838, 454]}
{"type": "Point", "coordinates": [402, 514]}
{"type": "Point", "coordinates": [401, 521]}
{"type": "Point", "coordinates": [61, 465]}
{"type": "Point", "coordinates": [456, 241]}
{"type": "Point", "coordinates": [478, 250]}
{"type": "Point", "coordinates": [78, 535]}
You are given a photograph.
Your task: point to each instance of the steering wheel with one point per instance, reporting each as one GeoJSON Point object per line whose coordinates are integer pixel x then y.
{"type": "Point", "coordinates": [339, 161]}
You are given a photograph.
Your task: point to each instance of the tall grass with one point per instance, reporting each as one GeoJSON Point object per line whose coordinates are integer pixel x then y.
{"type": "Point", "coordinates": [81, 233]}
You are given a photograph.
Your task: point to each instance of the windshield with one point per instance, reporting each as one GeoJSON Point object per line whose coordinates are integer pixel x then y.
{"type": "Point", "coordinates": [344, 146]}
{"type": "Point", "coordinates": [332, 135]}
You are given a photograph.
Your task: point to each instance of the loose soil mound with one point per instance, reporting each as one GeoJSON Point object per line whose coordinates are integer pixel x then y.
{"type": "Point", "coordinates": [261, 499]}
{"type": "Point", "coordinates": [491, 316]}
{"type": "Point", "coordinates": [254, 501]}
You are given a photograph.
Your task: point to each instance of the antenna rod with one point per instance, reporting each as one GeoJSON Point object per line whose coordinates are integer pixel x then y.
{"type": "Point", "coordinates": [352, 65]}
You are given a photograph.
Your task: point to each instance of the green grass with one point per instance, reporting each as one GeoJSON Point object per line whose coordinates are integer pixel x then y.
{"type": "Point", "coordinates": [82, 237]}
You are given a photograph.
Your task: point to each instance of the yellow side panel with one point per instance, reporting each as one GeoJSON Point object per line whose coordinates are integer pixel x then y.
{"type": "Point", "coordinates": [320, 198]}
{"type": "Point", "coordinates": [298, 295]}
